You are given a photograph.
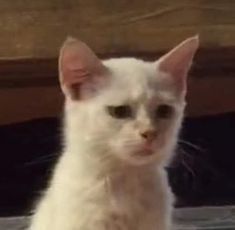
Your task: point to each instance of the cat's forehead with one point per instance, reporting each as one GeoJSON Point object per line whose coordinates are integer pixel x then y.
{"type": "Point", "coordinates": [135, 80]}
{"type": "Point", "coordinates": [129, 69]}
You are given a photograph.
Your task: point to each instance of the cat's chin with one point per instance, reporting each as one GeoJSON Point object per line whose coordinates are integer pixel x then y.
{"type": "Point", "coordinates": [139, 160]}
{"type": "Point", "coordinates": [144, 152]}
{"type": "Point", "coordinates": [142, 157]}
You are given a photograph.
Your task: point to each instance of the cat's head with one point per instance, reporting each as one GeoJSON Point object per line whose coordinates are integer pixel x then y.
{"type": "Point", "coordinates": [125, 107]}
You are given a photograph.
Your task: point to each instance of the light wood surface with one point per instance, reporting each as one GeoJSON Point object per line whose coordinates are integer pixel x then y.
{"type": "Point", "coordinates": [34, 29]}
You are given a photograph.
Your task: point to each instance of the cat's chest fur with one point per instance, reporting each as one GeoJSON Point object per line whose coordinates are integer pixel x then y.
{"type": "Point", "coordinates": [137, 200]}
{"type": "Point", "coordinates": [129, 199]}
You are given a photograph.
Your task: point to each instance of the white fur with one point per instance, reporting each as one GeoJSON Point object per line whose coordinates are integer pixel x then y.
{"type": "Point", "coordinates": [98, 184]}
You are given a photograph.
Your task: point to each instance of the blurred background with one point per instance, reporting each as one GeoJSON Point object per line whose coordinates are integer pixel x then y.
{"type": "Point", "coordinates": [31, 32]}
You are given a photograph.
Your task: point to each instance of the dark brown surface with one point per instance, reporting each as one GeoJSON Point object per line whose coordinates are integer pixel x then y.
{"type": "Point", "coordinates": [29, 87]}
{"type": "Point", "coordinates": [17, 73]}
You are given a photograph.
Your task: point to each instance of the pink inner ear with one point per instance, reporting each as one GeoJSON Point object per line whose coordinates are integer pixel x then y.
{"type": "Point", "coordinates": [178, 61]}
{"type": "Point", "coordinates": [77, 65]}
{"type": "Point", "coordinates": [73, 70]}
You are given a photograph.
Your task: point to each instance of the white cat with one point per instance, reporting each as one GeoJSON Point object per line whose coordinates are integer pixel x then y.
{"type": "Point", "coordinates": [122, 118]}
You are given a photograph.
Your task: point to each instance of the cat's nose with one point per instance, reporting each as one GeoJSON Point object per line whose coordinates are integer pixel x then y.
{"type": "Point", "coordinates": [149, 135]}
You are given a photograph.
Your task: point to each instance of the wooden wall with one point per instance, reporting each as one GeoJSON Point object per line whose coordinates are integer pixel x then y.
{"type": "Point", "coordinates": [32, 32]}
{"type": "Point", "coordinates": [32, 28]}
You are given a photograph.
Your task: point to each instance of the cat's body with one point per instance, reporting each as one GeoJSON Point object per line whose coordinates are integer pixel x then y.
{"type": "Point", "coordinates": [111, 173]}
{"type": "Point", "coordinates": [131, 199]}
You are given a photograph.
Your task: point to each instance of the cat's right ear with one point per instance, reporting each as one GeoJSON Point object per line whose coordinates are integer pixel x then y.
{"type": "Point", "coordinates": [80, 70]}
{"type": "Point", "coordinates": [177, 63]}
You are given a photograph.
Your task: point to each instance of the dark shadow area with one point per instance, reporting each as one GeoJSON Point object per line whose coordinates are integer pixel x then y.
{"type": "Point", "coordinates": [202, 173]}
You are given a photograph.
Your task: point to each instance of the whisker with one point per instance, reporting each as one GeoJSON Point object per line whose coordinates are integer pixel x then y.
{"type": "Point", "coordinates": [184, 162]}
{"type": "Point", "coordinates": [42, 159]}
{"type": "Point", "coordinates": [191, 145]}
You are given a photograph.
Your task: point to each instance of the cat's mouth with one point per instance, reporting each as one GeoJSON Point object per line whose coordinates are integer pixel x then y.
{"type": "Point", "coordinates": [144, 151]}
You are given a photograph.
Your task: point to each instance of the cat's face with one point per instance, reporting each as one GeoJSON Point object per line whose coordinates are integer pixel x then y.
{"type": "Point", "coordinates": [129, 108]}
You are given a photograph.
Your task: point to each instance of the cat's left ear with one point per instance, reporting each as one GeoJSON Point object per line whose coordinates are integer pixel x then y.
{"type": "Point", "coordinates": [80, 71]}
{"type": "Point", "coordinates": [177, 62]}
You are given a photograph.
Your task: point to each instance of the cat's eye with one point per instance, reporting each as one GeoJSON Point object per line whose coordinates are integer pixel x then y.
{"type": "Point", "coordinates": [120, 112]}
{"type": "Point", "coordinates": [164, 111]}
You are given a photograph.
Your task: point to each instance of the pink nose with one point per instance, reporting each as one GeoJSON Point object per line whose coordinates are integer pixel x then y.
{"type": "Point", "coordinates": [149, 135]}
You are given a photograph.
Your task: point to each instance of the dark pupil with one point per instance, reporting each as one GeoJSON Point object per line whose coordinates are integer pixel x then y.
{"type": "Point", "coordinates": [122, 111]}
{"type": "Point", "coordinates": [164, 111]}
